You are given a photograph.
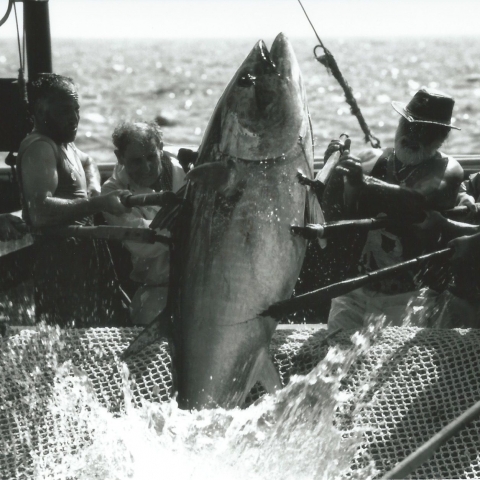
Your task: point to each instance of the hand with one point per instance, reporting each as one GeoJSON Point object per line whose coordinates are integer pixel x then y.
{"type": "Point", "coordinates": [304, 180]}
{"type": "Point", "coordinates": [463, 199]}
{"type": "Point", "coordinates": [465, 251]}
{"type": "Point", "coordinates": [434, 221]}
{"type": "Point", "coordinates": [94, 191]}
{"type": "Point", "coordinates": [11, 227]}
{"type": "Point", "coordinates": [186, 158]}
{"type": "Point", "coordinates": [337, 145]}
{"type": "Point", "coordinates": [351, 167]}
{"type": "Point", "coordinates": [113, 202]}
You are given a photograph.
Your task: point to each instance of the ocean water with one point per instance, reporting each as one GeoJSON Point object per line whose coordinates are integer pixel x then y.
{"type": "Point", "coordinates": [183, 79]}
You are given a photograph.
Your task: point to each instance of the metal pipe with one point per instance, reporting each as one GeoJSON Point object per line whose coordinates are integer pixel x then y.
{"type": "Point", "coordinates": [36, 22]}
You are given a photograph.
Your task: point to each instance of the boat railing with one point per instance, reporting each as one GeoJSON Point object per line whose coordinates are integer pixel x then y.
{"type": "Point", "coordinates": [470, 164]}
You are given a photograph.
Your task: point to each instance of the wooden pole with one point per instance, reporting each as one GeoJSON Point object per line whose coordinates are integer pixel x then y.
{"type": "Point", "coordinates": [159, 199]}
{"type": "Point", "coordinates": [344, 227]}
{"type": "Point", "coordinates": [313, 299]}
{"type": "Point", "coordinates": [141, 235]}
{"type": "Point", "coordinates": [421, 455]}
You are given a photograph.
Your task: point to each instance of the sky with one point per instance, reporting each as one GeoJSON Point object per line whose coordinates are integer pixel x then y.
{"type": "Point", "coordinates": [256, 19]}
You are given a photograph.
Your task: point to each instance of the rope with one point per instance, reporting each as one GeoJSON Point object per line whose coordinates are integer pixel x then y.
{"type": "Point", "coordinates": [7, 14]}
{"type": "Point", "coordinates": [18, 39]}
{"type": "Point", "coordinates": [329, 62]}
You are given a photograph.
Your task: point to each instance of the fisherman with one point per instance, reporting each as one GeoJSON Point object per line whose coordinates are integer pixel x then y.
{"type": "Point", "coordinates": [459, 305]}
{"type": "Point", "coordinates": [144, 167]}
{"type": "Point", "coordinates": [11, 227]}
{"type": "Point", "coordinates": [73, 278]}
{"type": "Point", "coordinates": [400, 182]}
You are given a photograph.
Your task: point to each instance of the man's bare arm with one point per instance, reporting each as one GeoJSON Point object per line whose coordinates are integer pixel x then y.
{"type": "Point", "coordinates": [92, 174]}
{"type": "Point", "coordinates": [361, 190]}
{"type": "Point", "coordinates": [40, 180]}
{"type": "Point", "coordinates": [445, 197]}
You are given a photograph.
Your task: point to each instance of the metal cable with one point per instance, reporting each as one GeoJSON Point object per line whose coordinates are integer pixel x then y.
{"type": "Point", "coordinates": [7, 14]}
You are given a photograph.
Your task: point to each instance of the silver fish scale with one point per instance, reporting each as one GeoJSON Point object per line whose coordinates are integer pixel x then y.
{"type": "Point", "coordinates": [418, 381]}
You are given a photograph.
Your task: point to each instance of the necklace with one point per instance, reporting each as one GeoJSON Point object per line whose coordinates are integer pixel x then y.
{"type": "Point", "coordinates": [407, 170]}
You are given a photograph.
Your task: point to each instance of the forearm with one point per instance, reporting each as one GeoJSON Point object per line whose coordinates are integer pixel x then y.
{"type": "Point", "coordinates": [452, 229]}
{"type": "Point", "coordinates": [390, 198]}
{"type": "Point", "coordinates": [92, 175]}
{"type": "Point", "coordinates": [55, 211]}
{"type": "Point", "coordinates": [135, 220]}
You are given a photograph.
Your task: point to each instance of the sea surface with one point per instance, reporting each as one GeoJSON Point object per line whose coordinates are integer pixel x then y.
{"type": "Point", "coordinates": [182, 80]}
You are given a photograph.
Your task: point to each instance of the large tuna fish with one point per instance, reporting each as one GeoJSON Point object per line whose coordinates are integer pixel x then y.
{"type": "Point", "coordinates": [234, 254]}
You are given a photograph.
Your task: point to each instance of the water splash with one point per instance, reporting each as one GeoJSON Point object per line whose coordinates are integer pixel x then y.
{"type": "Point", "coordinates": [297, 433]}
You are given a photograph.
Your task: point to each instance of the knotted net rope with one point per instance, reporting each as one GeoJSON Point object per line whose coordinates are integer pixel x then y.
{"type": "Point", "coordinates": [419, 379]}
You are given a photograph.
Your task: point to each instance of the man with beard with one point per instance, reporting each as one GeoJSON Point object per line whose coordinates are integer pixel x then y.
{"type": "Point", "coordinates": [400, 182]}
{"type": "Point", "coordinates": [144, 167]}
{"type": "Point", "coordinates": [73, 279]}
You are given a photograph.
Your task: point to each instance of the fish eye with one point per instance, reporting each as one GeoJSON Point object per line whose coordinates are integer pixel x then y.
{"type": "Point", "coordinates": [246, 80]}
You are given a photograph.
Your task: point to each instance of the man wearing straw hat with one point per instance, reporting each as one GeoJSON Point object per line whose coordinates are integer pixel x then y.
{"type": "Point", "coordinates": [400, 182]}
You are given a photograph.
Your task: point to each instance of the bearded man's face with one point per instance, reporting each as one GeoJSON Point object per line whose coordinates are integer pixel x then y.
{"type": "Point", "coordinates": [417, 142]}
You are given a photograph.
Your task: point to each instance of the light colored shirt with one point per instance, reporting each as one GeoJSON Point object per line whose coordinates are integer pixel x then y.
{"type": "Point", "coordinates": [150, 261]}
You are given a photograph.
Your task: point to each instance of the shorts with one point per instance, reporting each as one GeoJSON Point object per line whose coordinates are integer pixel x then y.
{"type": "Point", "coordinates": [361, 307]}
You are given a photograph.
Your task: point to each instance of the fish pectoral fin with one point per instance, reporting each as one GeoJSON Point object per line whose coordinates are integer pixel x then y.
{"type": "Point", "coordinates": [264, 371]}
{"type": "Point", "coordinates": [160, 327]}
{"type": "Point", "coordinates": [218, 176]}
{"type": "Point", "coordinates": [268, 375]}
{"type": "Point", "coordinates": [314, 214]}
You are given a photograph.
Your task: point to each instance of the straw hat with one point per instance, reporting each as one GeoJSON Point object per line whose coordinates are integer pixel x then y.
{"type": "Point", "coordinates": [428, 106]}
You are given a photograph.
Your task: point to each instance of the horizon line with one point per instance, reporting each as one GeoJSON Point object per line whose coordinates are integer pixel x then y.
{"type": "Point", "coordinates": [250, 37]}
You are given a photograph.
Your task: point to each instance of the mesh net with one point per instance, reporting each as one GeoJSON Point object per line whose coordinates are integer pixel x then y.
{"type": "Point", "coordinates": [419, 380]}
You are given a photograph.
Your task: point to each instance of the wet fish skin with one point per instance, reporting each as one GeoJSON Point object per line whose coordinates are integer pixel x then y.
{"type": "Point", "coordinates": [235, 255]}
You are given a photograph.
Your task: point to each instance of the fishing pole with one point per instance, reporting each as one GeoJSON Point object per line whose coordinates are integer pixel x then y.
{"type": "Point", "coordinates": [329, 62]}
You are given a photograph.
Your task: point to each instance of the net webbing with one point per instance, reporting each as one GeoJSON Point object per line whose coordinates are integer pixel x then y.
{"type": "Point", "coordinates": [419, 381]}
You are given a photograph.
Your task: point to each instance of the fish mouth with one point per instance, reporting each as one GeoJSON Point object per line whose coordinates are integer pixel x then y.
{"type": "Point", "coordinates": [264, 105]}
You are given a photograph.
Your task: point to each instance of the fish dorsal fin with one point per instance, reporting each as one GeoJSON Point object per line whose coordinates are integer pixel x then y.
{"type": "Point", "coordinates": [160, 327]}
